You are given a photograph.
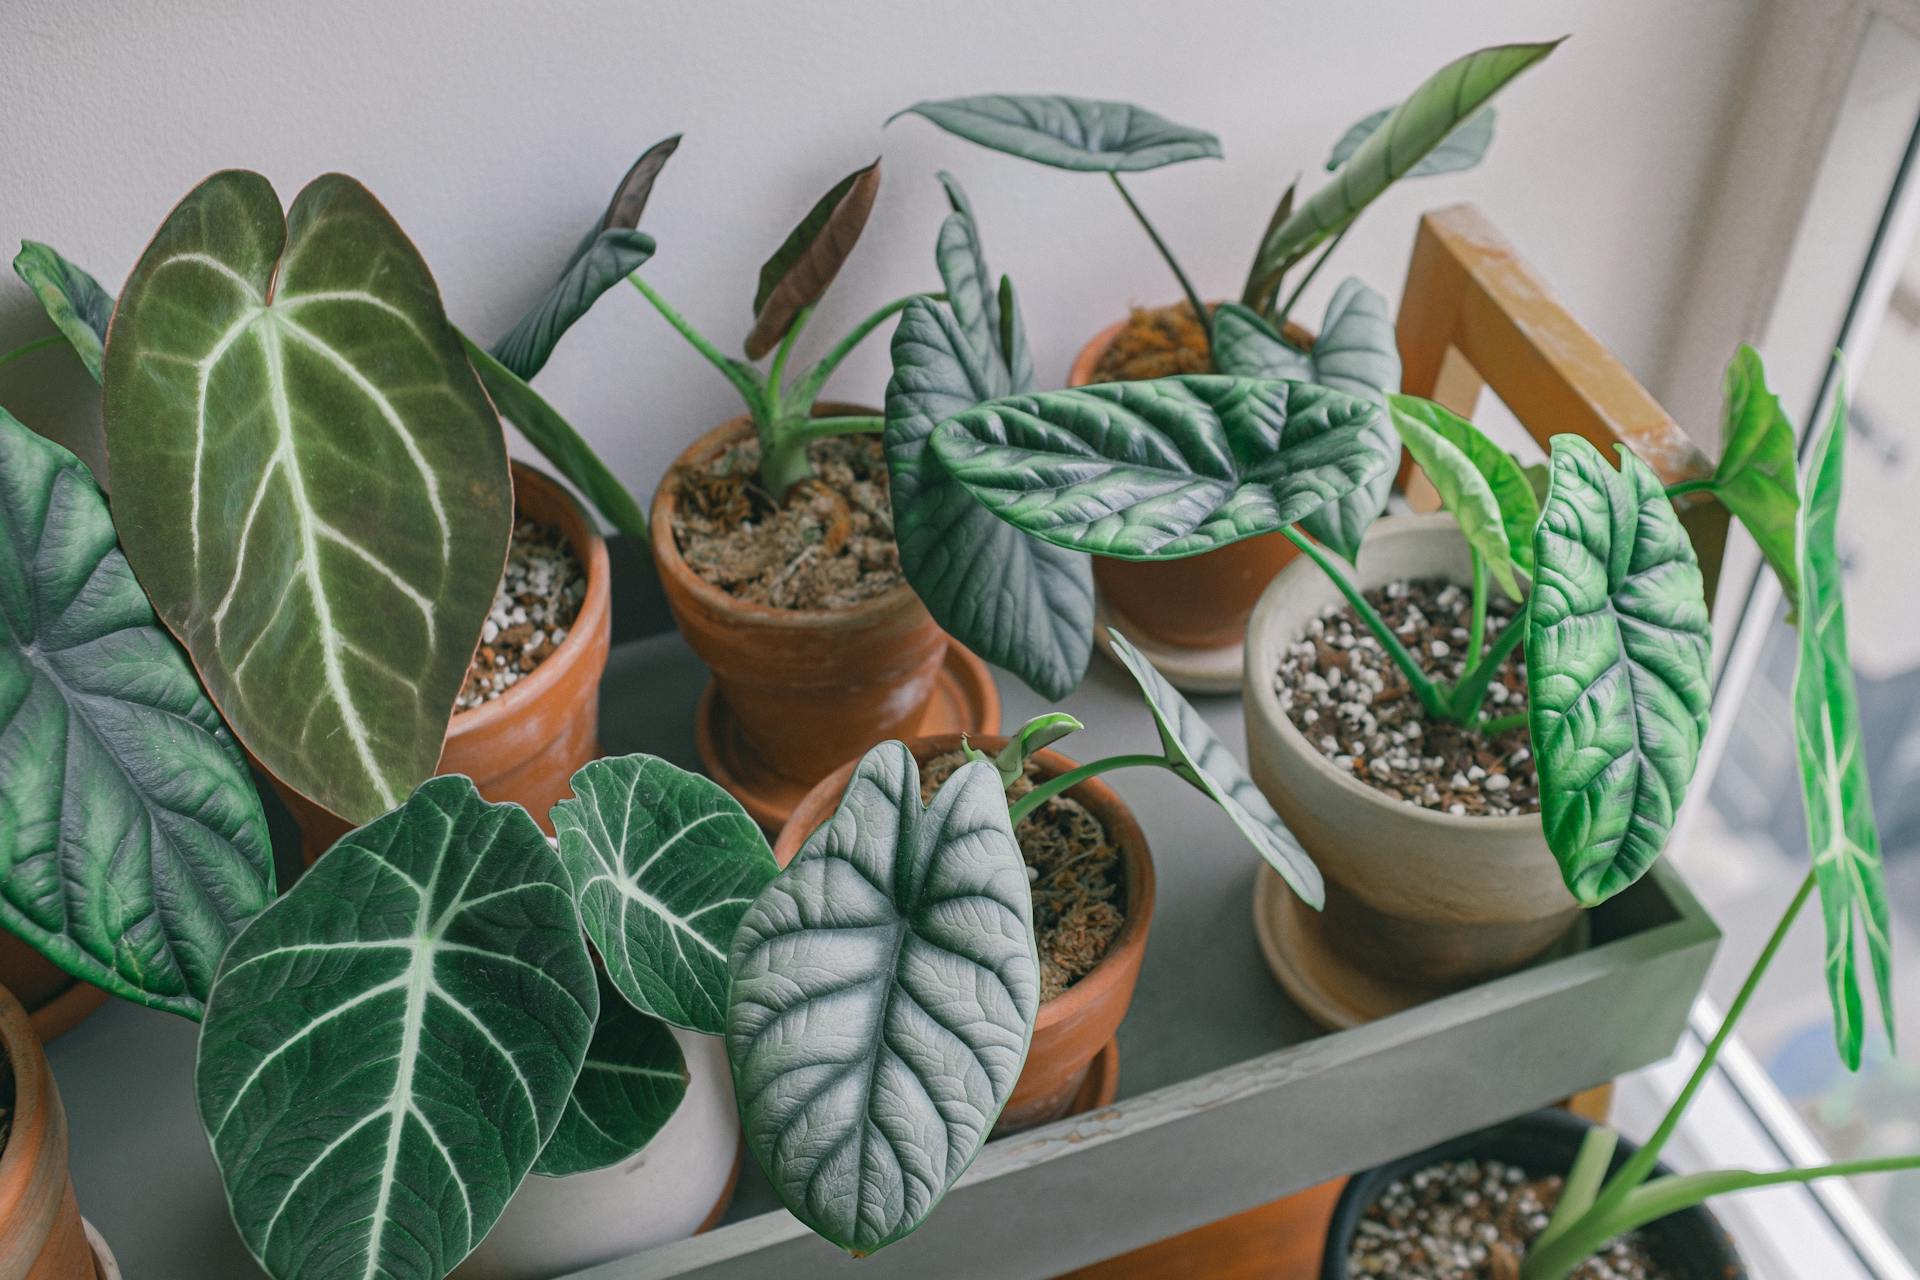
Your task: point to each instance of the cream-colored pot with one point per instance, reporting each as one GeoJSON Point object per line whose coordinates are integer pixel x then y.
{"type": "Point", "coordinates": [1419, 903]}
{"type": "Point", "coordinates": [678, 1185]}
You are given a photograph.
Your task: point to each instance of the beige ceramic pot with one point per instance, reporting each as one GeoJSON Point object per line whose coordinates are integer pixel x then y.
{"type": "Point", "coordinates": [1419, 903]}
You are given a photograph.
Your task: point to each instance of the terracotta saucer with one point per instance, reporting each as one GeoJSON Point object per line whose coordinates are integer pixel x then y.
{"type": "Point", "coordinates": [965, 700]}
{"type": "Point", "coordinates": [1190, 670]}
{"type": "Point", "coordinates": [1102, 1084]}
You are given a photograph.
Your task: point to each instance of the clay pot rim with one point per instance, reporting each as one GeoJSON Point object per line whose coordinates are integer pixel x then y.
{"type": "Point", "coordinates": [669, 561]}
{"type": "Point", "coordinates": [1114, 814]}
{"type": "Point", "coordinates": [33, 1135]}
{"type": "Point", "coordinates": [1259, 697]}
{"type": "Point", "coordinates": [1080, 373]}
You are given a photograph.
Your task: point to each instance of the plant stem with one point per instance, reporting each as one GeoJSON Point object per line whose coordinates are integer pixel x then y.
{"type": "Point", "coordinates": [38, 344]}
{"type": "Point", "coordinates": [1494, 726]}
{"type": "Point", "coordinates": [1200, 312]}
{"type": "Point", "coordinates": [1690, 486]}
{"type": "Point", "coordinates": [743, 376]}
{"type": "Point", "coordinates": [1477, 627]}
{"type": "Point", "coordinates": [819, 428]}
{"type": "Point", "coordinates": [1280, 321]}
{"type": "Point", "coordinates": [776, 376]}
{"type": "Point", "coordinates": [1424, 689]}
{"type": "Point", "coordinates": [809, 385]}
{"type": "Point", "coordinates": [1053, 786]}
{"type": "Point", "coordinates": [783, 456]}
{"type": "Point", "coordinates": [1583, 1180]}
{"type": "Point", "coordinates": [1472, 689]}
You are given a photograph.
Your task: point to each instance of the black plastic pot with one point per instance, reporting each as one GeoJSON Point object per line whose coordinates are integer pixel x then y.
{"type": "Point", "coordinates": [1689, 1245]}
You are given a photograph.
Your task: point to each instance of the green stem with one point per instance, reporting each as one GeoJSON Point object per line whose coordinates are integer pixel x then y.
{"type": "Point", "coordinates": [1690, 486]}
{"type": "Point", "coordinates": [745, 379]}
{"type": "Point", "coordinates": [1494, 726]}
{"type": "Point", "coordinates": [38, 344]}
{"type": "Point", "coordinates": [810, 384]}
{"type": "Point", "coordinates": [1477, 627]}
{"type": "Point", "coordinates": [776, 376]}
{"type": "Point", "coordinates": [1280, 321]}
{"type": "Point", "coordinates": [1424, 689]}
{"type": "Point", "coordinates": [1583, 1180]}
{"type": "Point", "coordinates": [1200, 311]}
{"type": "Point", "coordinates": [1053, 786]}
{"type": "Point", "coordinates": [1472, 689]}
{"type": "Point", "coordinates": [783, 457]}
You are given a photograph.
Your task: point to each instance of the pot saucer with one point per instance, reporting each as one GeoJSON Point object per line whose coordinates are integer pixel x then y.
{"type": "Point", "coordinates": [1328, 989]}
{"type": "Point", "coordinates": [964, 699]}
{"type": "Point", "coordinates": [1190, 670]}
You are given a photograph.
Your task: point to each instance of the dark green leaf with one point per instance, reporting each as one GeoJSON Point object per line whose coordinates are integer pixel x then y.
{"type": "Point", "coordinates": [1464, 148]}
{"type": "Point", "coordinates": [664, 864]}
{"type": "Point", "coordinates": [800, 270]}
{"type": "Point", "coordinates": [1478, 481]}
{"type": "Point", "coordinates": [310, 482]}
{"type": "Point", "coordinates": [1084, 134]}
{"type": "Point", "coordinates": [390, 1045]}
{"type": "Point", "coordinates": [1617, 650]}
{"type": "Point", "coordinates": [1262, 288]}
{"type": "Point", "coordinates": [1756, 479]}
{"type": "Point", "coordinates": [631, 1083]}
{"type": "Point", "coordinates": [132, 845]}
{"type": "Point", "coordinates": [1158, 470]}
{"type": "Point", "coordinates": [74, 300]}
{"type": "Point", "coordinates": [884, 989]}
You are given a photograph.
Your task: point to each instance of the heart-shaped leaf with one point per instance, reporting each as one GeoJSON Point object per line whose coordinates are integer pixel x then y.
{"type": "Point", "coordinates": [1833, 760]}
{"type": "Point", "coordinates": [132, 845]}
{"type": "Point", "coordinates": [1757, 476]}
{"type": "Point", "coordinates": [1358, 353]}
{"type": "Point", "coordinates": [390, 1045]}
{"type": "Point", "coordinates": [1617, 649]}
{"type": "Point", "coordinates": [73, 300]}
{"type": "Point", "coordinates": [1207, 764]}
{"type": "Point", "coordinates": [611, 252]}
{"type": "Point", "coordinates": [800, 270]}
{"type": "Point", "coordinates": [1084, 134]}
{"type": "Point", "coordinates": [1479, 482]}
{"type": "Point", "coordinates": [311, 484]}
{"type": "Point", "coordinates": [884, 990]}
{"type": "Point", "coordinates": [1464, 148]}
{"type": "Point", "coordinates": [664, 864]}
{"type": "Point", "coordinates": [1157, 470]}
{"type": "Point", "coordinates": [631, 1083]}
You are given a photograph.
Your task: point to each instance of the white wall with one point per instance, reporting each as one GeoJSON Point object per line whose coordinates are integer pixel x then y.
{"type": "Point", "coordinates": [495, 130]}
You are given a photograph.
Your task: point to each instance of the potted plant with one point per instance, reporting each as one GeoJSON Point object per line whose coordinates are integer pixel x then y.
{"type": "Point", "coordinates": [1192, 616]}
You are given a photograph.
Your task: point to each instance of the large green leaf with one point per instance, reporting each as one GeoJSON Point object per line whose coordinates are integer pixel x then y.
{"type": "Point", "coordinates": [884, 990]}
{"type": "Point", "coordinates": [664, 864]}
{"type": "Point", "coordinates": [800, 270]}
{"type": "Point", "coordinates": [132, 846]}
{"type": "Point", "coordinates": [1617, 649]}
{"type": "Point", "coordinates": [310, 482]}
{"type": "Point", "coordinates": [1464, 148]}
{"type": "Point", "coordinates": [1757, 478]}
{"type": "Point", "coordinates": [1085, 134]}
{"type": "Point", "coordinates": [1833, 764]}
{"type": "Point", "coordinates": [611, 251]}
{"type": "Point", "coordinates": [390, 1045]}
{"type": "Point", "coordinates": [1479, 482]}
{"type": "Point", "coordinates": [1450, 97]}
{"type": "Point", "coordinates": [971, 292]}
{"type": "Point", "coordinates": [1157, 470]}
{"type": "Point", "coordinates": [1206, 762]}
{"type": "Point", "coordinates": [1357, 353]}
{"type": "Point", "coordinates": [73, 300]}
{"type": "Point", "coordinates": [632, 1081]}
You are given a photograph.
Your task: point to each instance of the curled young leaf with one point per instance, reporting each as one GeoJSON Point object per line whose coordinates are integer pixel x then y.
{"type": "Point", "coordinates": [1262, 288]}
{"type": "Point", "coordinates": [1756, 479]}
{"type": "Point", "coordinates": [1036, 734]}
{"type": "Point", "coordinates": [800, 270]}
{"type": "Point", "coordinates": [1464, 148]}
{"type": "Point", "coordinates": [632, 1081]}
{"type": "Point", "coordinates": [73, 300]}
{"type": "Point", "coordinates": [1085, 134]}
{"type": "Point", "coordinates": [1480, 483]}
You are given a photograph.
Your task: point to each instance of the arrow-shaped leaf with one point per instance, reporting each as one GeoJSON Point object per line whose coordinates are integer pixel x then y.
{"type": "Point", "coordinates": [1464, 148]}
{"type": "Point", "coordinates": [73, 300]}
{"type": "Point", "coordinates": [1084, 134]}
{"type": "Point", "coordinates": [806, 262]}
{"type": "Point", "coordinates": [1479, 482]}
{"type": "Point", "coordinates": [632, 1081]}
{"type": "Point", "coordinates": [1756, 478]}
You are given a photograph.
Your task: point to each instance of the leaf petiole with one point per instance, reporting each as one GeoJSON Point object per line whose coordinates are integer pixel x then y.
{"type": "Point", "coordinates": [808, 386]}
{"type": "Point", "coordinates": [27, 349]}
{"type": "Point", "coordinates": [744, 377]}
{"type": "Point", "coordinates": [1477, 627]}
{"type": "Point", "coordinates": [1053, 786]}
{"type": "Point", "coordinates": [1200, 311]}
{"type": "Point", "coordinates": [1472, 689]}
{"type": "Point", "coordinates": [1702, 485]}
{"type": "Point", "coordinates": [1280, 320]}
{"type": "Point", "coordinates": [776, 376]}
{"type": "Point", "coordinates": [1423, 688]}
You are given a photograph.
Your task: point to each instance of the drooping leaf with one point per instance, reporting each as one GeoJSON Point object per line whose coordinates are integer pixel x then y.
{"type": "Point", "coordinates": [806, 262]}
{"type": "Point", "coordinates": [1262, 288]}
{"type": "Point", "coordinates": [559, 443]}
{"type": "Point", "coordinates": [1084, 134]}
{"type": "Point", "coordinates": [311, 484]}
{"type": "Point", "coordinates": [132, 846]}
{"type": "Point", "coordinates": [631, 1083]}
{"type": "Point", "coordinates": [1035, 735]}
{"type": "Point", "coordinates": [1162, 469]}
{"type": "Point", "coordinates": [611, 251]}
{"type": "Point", "coordinates": [1538, 476]}
{"type": "Point", "coordinates": [1756, 478]}
{"type": "Point", "coordinates": [73, 300]}
{"type": "Point", "coordinates": [969, 284]}
{"type": "Point", "coordinates": [884, 990]}
{"type": "Point", "coordinates": [1841, 831]}
{"type": "Point", "coordinates": [1207, 764]}
{"type": "Point", "coordinates": [1464, 148]}
{"type": "Point", "coordinates": [1357, 353]}
{"type": "Point", "coordinates": [1478, 481]}
{"type": "Point", "coordinates": [1410, 133]}
{"type": "Point", "coordinates": [390, 1045]}
{"type": "Point", "coordinates": [664, 864]}
{"type": "Point", "coordinates": [1617, 648]}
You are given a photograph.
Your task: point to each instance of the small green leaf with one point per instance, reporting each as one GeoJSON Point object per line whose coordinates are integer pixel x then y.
{"type": "Point", "coordinates": [800, 270]}
{"type": "Point", "coordinates": [1205, 762]}
{"type": "Point", "coordinates": [631, 1083]}
{"type": "Point", "coordinates": [1478, 481]}
{"type": "Point", "coordinates": [1162, 469]}
{"type": "Point", "coordinates": [73, 300]}
{"type": "Point", "coordinates": [1036, 734]}
{"type": "Point", "coordinates": [1756, 479]}
{"type": "Point", "coordinates": [884, 991]}
{"type": "Point", "coordinates": [1084, 134]}
{"type": "Point", "coordinates": [1833, 762]}
{"type": "Point", "coordinates": [1538, 476]}
{"type": "Point", "coordinates": [1262, 288]}
{"type": "Point", "coordinates": [1464, 148]}
{"type": "Point", "coordinates": [1617, 651]}
{"type": "Point", "coordinates": [664, 863]}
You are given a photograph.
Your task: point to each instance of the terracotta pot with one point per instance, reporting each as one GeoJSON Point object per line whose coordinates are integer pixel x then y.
{"type": "Point", "coordinates": [1076, 1025]}
{"type": "Point", "coordinates": [1688, 1245]}
{"type": "Point", "coordinates": [42, 1236]}
{"type": "Point", "coordinates": [1200, 602]}
{"type": "Point", "coordinates": [525, 745]}
{"type": "Point", "coordinates": [1419, 903]}
{"type": "Point", "coordinates": [808, 687]}
{"type": "Point", "coordinates": [55, 1000]}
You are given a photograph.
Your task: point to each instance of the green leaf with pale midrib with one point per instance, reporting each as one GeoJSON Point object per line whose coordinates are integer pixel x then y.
{"type": "Point", "coordinates": [1480, 483]}
{"type": "Point", "coordinates": [1085, 134]}
{"type": "Point", "coordinates": [1756, 479]}
{"type": "Point", "coordinates": [73, 300]}
{"type": "Point", "coordinates": [132, 845]}
{"type": "Point", "coordinates": [1464, 148]}
{"type": "Point", "coordinates": [632, 1081]}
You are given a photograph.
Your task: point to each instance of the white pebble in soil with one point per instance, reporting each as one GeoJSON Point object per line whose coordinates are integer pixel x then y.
{"type": "Point", "coordinates": [533, 612]}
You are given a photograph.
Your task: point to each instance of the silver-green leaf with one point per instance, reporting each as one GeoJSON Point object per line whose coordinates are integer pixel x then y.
{"type": "Point", "coordinates": [631, 1083]}
{"type": "Point", "coordinates": [73, 300]}
{"type": "Point", "coordinates": [1480, 483]}
{"type": "Point", "coordinates": [1085, 134]}
{"type": "Point", "coordinates": [1464, 148]}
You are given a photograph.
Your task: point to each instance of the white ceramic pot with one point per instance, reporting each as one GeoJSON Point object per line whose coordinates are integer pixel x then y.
{"type": "Point", "coordinates": [1419, 903]}
{"type": "Point", "coordinates": [677, 1186]}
